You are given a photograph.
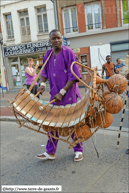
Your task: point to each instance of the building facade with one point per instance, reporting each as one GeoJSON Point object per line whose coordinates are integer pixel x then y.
{"type": "Point", "coordinates": [25, 29]}
{"type": "Point", "coordinates": [95, 29]}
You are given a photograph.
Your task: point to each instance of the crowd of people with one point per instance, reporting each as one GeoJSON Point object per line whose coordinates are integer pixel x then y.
{"type": "Point", "coordinates": [111, 68]}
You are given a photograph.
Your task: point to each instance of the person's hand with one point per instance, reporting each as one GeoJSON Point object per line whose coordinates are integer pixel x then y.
{"type": "Point", "coordinates": [37, 65]}
{"type": "Point", "coordinates": [58, 97]}
{"type": "Point", "coordinates": [41, 89]}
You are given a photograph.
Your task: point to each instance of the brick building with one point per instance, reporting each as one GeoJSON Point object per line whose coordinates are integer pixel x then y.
{"type": "Point", "coordinates": [94, 29]}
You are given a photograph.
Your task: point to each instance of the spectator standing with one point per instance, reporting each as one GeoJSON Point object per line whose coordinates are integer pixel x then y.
{"type": "Point", "coordinates": [109, 68]}
{"type": "Point", "coordinates": [31, 75]}
{"type": "Point", "coordinates": [119, 65]}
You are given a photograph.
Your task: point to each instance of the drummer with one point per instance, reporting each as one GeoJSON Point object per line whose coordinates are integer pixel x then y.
{"type": "Point", "coordinates": [63, 86]}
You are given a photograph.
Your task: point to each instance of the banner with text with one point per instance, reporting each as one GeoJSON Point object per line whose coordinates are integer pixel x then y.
{"type": "Point", "coordinates": [27, 48]}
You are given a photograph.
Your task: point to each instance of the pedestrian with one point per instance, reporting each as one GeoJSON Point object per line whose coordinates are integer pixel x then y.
{"type": "Point", "coordinates": [109, 68]}
{"type": "Point", "coordinates": [31, 75]}
{"type": "Point", "coordinates": [63, 86]}
{"type": "Point", "coordinates": [119, 64]}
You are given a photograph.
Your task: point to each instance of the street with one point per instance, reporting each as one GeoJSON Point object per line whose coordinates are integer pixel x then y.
{"type": "Point", "coordinates": [108, 173]}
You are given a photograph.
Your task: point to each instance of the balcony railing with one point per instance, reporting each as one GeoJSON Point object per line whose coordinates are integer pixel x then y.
{"type": "Point", "coordinates": [94, 26]}
{"type": "Point", "coordinates": [71, 29]}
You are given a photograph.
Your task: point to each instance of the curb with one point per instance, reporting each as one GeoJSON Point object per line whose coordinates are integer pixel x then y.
{"type": "Point", "coordinates": [12, 119]}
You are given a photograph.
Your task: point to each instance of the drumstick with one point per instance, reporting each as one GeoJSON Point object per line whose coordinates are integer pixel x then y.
{"type": "Point", "coordinates": [41, 108]}
{"type": "Point", "coordinates": [37, 94]}
{"type": "Point", "coordinates": [50, 102]}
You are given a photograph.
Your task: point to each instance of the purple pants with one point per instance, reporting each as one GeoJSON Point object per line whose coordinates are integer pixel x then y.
{"type": "Point", "coordinates": [52, 144]}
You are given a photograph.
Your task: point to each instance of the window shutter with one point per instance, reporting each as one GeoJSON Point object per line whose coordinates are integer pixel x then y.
{"type": "Point", "coordinates": [121, 55]}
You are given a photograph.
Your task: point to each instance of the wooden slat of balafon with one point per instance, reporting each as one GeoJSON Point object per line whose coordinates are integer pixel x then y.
{"type": "Point", "coordinates": [59, 113]}
{"type": "Point", "coordinates": [79, 111]}
{"type": "Point", "coordinates": [84, 107]}
{"type": "Point", "coordinates": [28, 107]}
{"type": "Point", "coordinates": [63, 115]}
{"type": "Point", "coordinates": [47, 119]}
{"type": "Point", "coordinates": [44, 114]}
{"type": "Point", "coordinates": [74, 115]}
{"type": "Point", "coordinates": [60, 121]}
{"type": "Point", "coordinates": [33, 110]}
{"type": "Point", "coordinates": [91, 93]}
{"type": "Point", "coordinates": [39, 112]}
{"type": "Point", "coordinates": [68, 116]}
{"type": "Point", "coordinates": [24, 102]}
{"type": "Point", "coordinates": [21, 98]}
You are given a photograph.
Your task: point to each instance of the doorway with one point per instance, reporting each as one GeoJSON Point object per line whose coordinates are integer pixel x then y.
{"type": "Point", "coordinates": [16, 75]}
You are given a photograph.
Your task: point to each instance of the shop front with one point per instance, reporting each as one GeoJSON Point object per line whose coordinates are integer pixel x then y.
{"type": "Point", "coordinates": [16, 60]}
{"type": "Point", "coordinates": [119, 50]}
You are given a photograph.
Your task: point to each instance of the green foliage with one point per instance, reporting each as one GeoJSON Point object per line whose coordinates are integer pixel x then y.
{"type": "Point", "coordinates": [125, 11]}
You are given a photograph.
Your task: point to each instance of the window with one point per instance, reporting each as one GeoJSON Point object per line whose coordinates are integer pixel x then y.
{"type": "Point", "coordinates": [84, 62]}
{"type": "Point", "coordinates": [25, 25]}
{"type": "Point", "coordinates": [120, 47]}
{"type": "Point", "coordinates": [42, 20]}
{"type": "Point", "coordinates": [70, 20]}
{"type": "Point", "coordinates": [9, 25]}
{"type": "Point", "coordinates": [93, 16]}
{"type": "Point", "coordinates": [125, 11]}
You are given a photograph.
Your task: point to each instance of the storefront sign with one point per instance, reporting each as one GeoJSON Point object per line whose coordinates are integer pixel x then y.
{"type": "Point", "coordinates": [64, 41]}
{"type": "Point", "coordinates": [76, 50]}
{"type": "Point", "coordinates": [27, 48]}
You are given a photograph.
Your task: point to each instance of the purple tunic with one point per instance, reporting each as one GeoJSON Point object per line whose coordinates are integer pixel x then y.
{"type": "Point", "coordinates": [30, 79]}
{"type": "Point", "coordinates": [59, 74]}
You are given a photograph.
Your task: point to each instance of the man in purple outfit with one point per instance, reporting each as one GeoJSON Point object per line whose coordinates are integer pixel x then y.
{"type": "Point", "coordinates": [63, 86]}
